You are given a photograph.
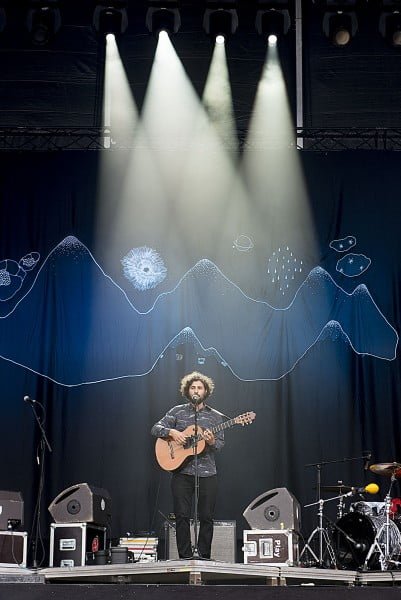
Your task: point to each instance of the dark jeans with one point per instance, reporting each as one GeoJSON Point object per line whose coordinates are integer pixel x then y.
{"type": "Point", "coordinates": [183, 490]}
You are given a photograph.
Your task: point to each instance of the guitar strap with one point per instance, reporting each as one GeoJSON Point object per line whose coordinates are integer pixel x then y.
{"type": "Point", "coordinates": [220, 413]}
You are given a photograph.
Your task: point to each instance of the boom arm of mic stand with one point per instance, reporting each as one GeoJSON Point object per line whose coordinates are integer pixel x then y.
{"type": "Point", "coordinates": [322, 502]}
{"type": "Point", "coordinates": [347, 537]}
{"type": "Point", "coordinates": [322, 463]}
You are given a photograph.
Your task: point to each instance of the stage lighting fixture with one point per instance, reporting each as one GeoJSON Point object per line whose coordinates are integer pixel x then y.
{"type": "Point", "coordinates": [163, 17]}
{"type": "Point", "coordinates": [43, 21]}
{"type": "Point", "coordinates": [272, 21]}
{"type": "Point", "coordinates": [111, 17]}
{"type": "Point", "coordinates": [390, 27]}
{"type": "Point", "coordinates": [220, 20]}
{"type": "Point", "coordinates": [340, 26]}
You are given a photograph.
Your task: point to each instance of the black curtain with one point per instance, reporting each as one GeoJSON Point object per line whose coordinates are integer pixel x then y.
{"type": "Point", "coordinates": [104, 353]}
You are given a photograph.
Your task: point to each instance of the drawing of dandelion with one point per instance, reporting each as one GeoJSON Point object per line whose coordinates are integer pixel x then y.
{"type": "Point", "coordinates": [144, 268]}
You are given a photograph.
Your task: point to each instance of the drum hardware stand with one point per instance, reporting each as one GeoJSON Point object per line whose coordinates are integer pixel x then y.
{"type": "Point", "coordinates": [385, 557]}
{"type": "Point", "coordinates": [320, 531]}
{"type": "Point", "coordinates": [323, 537]}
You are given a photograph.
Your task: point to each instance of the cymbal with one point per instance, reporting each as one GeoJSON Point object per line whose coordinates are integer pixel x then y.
{"type": "Point", "coordinates": [339, 488]}
{"type": "Point", "coordinates": [388, 469]}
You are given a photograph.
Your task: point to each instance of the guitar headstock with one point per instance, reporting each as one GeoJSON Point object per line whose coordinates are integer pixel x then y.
{"type": "Point", "coordinates": [246, 418]}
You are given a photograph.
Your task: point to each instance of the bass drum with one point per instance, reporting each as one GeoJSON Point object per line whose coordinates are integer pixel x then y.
{"type": "Point", "coordinates": [354, 534]}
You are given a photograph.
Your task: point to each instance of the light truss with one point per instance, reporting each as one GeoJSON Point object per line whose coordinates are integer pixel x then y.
{"type": "Point", "coordinates": [310, 139]}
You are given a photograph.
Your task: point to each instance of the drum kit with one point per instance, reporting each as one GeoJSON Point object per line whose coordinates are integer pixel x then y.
{"type": "Point", "coordinates": [367, 536]}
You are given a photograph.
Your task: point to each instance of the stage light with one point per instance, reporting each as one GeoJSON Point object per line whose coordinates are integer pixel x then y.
{"type": "Point", "coordinates": [273, 21]}
{"type": "Point", "coordinates": [43, 21]}
{"type": "Point", "coordinates": [390, 27]}
{"type": "Point", "coordinates": [340, 26]}
{"type": "Point", "coordinates": [272, 40]}
{"type": "Point", "coordinates": [220, 21]}
{"type": "Point", "coordinates": [111, 17]}
{"type": "Point", "coordinates": [163, 18]}
{"type": "Point", "coordinates": [220, 39]}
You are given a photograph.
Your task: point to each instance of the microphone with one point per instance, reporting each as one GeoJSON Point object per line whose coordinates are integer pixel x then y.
{"type": "Point", "coordinates": [29, 400]}
{"type": "Point", "coordinates": [196, 399]}
{"type": "Point", "coordinates": [371, 488]}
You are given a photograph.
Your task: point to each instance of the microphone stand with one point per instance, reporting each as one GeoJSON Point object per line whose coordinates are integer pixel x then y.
{"type": "Point", "coordinates": [195, 550]}
{"type": "Point", "coordinates": [40, 457]}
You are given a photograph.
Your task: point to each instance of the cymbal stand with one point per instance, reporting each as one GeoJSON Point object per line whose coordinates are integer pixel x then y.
{"type": "Point", "coordinates": [323, 538]}
{"type": "Point", "coordinates": [340, 506]}
{"type": "Point", "coordinates": [383, 546]}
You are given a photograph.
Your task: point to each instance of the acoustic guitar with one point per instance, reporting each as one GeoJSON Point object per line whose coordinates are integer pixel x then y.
{"type": "Point", "coordinates": [170, 455]}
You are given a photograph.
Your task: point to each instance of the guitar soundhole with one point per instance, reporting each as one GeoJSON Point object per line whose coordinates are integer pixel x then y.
{"type": "Point", "coordinates": [189, 442]}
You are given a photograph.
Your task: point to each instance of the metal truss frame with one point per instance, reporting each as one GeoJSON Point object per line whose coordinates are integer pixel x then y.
{"type": "Point", "coordinates": [310, 139]}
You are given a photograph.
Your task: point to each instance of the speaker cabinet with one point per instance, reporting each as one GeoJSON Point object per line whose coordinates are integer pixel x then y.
{"type": "Point", "coordinates": [82, 503]}
{"type": "Point", "coordinates": [11, 509]}
{"type": "Point", "coordinates": [276, 509]}
{"type": "Point", "coordinates": [223, 544]}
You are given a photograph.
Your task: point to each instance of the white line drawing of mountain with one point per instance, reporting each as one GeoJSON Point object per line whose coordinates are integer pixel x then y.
{"type": "Point", "coordinates": [91, 331]}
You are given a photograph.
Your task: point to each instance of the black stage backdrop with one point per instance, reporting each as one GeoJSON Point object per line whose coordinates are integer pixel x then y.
{"type": "Point", "coordinates": [103, 351]}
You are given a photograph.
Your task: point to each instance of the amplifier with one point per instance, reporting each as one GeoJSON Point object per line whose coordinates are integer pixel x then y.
{"type": "Point", "coordinates": [11, 508]}
{"type": "Point", "coordinates": [271, 547]}
{"type": "Point", "coordinates": [223, 544]}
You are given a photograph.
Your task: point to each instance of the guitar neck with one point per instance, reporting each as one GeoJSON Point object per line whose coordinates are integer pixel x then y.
{"type": "Point", "coordinates": [225, 425]}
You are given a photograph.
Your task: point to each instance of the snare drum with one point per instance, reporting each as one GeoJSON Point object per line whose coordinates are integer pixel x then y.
{"type": "Point", "coordinates": [354, 535]}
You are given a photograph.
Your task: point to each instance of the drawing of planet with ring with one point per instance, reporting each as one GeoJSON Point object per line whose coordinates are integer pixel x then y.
{"type": "Point", "coordinates": [243, 243]}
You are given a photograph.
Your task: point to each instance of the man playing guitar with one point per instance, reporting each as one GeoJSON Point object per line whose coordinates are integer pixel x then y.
{"type": "Point", "coordinates": [196, 388]}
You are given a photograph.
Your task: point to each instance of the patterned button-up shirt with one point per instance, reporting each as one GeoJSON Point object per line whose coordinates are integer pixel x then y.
{"type": "Point", "coordinates": [182, 416]}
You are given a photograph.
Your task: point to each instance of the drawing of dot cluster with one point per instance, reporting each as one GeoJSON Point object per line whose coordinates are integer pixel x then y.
{"type": "Point", "coordinates": [144, 268]}
{"type": "Point", "coordinates": [350, 265]}
{"type": "Point", "coordinates": [283, 267]}
{"type": "Point", "coordinates": [13, 273]}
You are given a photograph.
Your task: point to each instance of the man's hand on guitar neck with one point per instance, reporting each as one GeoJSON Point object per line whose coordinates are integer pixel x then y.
{"type": "Point", "coordinates": [208, 436]}
{"type": "Point", "coordinates": [177, 436]}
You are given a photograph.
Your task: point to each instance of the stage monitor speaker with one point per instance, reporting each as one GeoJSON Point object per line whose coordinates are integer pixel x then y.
{"type": "Point", "coordinates": [276, 509]}
{"type": "Point", "coordinates": [223, 544]}
{"type": "Point", "coordinates": [82, 503]}
{"type": "Point", "coordinates": [11, 510]}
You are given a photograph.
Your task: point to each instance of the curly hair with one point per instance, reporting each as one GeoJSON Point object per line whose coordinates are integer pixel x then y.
{"type": "Point", "coordinates": [188, 380]}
